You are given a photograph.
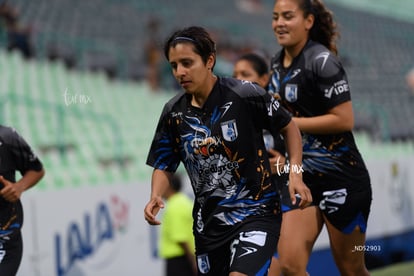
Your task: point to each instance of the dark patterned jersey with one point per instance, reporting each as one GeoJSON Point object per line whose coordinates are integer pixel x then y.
{"type": "Point", "coordinates": [314, 83]}
{"type": "Point", "coordinates": [221, 146]}
{"type": "Point", "coordinates": [15, 155]}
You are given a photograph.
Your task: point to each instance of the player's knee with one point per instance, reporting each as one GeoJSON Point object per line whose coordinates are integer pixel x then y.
{"type": "Point", "coordinates": [292, 267]}
{"type": "Point", "coordinates": [352, 268]}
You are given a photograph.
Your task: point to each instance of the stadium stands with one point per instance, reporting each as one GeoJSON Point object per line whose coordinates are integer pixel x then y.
{"type": "Point", "coordinates": [87, 129]}
{"type": "Point", "coordinates": [109, 35]}
{"type": "Point", "coordinates": [101, 129]}
{"type": "Point", "coordinates": [378, 54]}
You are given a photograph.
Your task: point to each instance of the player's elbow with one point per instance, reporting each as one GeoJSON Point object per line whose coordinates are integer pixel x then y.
{"type": "Point", "coordinates": [38, 175]}
{"type": "Point", "coordinates": [348, 125]}
{"type": "Point", "coordinates": [344, 117]}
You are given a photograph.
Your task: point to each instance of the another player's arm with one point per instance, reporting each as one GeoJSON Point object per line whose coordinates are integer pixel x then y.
{"type": "Point", "coordinates": [190, 256]}
{"type": "Point", "coordinates": [159, 184]}
{"type": "Point", "coordinates": [338, 119]}
{"type": "Point", "coordinates": [13, 191]}
{"type": "Point", "coordinates": [293, 141]}
{"type": "Point", "coordinates": [277, 161]}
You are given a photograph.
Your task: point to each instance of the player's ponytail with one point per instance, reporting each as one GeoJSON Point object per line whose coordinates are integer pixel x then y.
{"type": "Point", "coordinates": [324, 28]}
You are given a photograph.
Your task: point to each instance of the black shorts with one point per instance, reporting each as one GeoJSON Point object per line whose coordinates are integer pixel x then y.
{"type": "Point", "coordinates": [250, 252]}
{"type": "Point", "coordinates": [345, 204]}
{"type": "Point", "coordinates": [11, 250]}
{"type": "Point", "coordinates": [178, 266]}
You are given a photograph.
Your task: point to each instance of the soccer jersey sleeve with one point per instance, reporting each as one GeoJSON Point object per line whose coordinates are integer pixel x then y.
{"type": "Point", "coordinates": [331, 80]}
{"type": "Point", "coordinates": [266, 112]}
{"type": "Point", "coordinates": [24, 157]}
{"type": "Point", "coordinates": [279, 116]}
{"type": "Point", "coordinates": [163, 155]}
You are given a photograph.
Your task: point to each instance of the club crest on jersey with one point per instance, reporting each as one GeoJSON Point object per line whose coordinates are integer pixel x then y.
{"type": "Point", "coordinates": [203, 263]}
{"type": "Point", "coordinates": [229, 130]}
{"type": "Point", "coordinates": [291, 92]}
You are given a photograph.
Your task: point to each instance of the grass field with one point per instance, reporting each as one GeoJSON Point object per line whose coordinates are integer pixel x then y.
{"type": "Point", "coordinates": [403, 269]}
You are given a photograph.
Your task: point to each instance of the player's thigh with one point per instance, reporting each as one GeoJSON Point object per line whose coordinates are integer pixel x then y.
{"type": "Point", "coordinates": [299, 231]}
{"type": "Point", "coordinates": [345, 247]}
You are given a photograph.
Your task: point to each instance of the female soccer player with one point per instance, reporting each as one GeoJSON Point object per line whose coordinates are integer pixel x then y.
{"type": "Point", "coordinates": [15, 155]}
{"type": "Point", "coordinates": [253, 67]}
{"type": "Point", "coordinates": [313, 86]}
{"type": "Point", "coordinates": [215, 130]}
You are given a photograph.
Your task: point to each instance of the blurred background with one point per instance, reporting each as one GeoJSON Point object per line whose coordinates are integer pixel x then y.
{"type": "Point", "coordinates": [85, 82]}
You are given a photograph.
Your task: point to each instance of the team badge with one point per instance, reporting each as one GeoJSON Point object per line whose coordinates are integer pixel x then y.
{"type": "Point", "coordinates": [229, 130]}
{"type": "Point", "coordinates": [203, 263]}
{"type": "Point", "coordinates": [291, 92]}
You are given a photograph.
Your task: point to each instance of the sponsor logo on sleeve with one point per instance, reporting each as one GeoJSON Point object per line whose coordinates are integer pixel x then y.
{"type": "Point", "coordinates": [337, 88]}
{"type": "Point", "coordinates": [324, 56]}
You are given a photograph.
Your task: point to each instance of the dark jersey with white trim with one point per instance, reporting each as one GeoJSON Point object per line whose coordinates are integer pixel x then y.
{"type": "Point", "coordinates": [15, 155]}
{"type": "Point", "coordinates": [314, 83]}
{"type": "Point", "coordinates": [221, 146]}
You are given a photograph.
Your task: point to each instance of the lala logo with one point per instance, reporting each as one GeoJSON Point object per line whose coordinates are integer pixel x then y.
{"type": "Point", "coordinates": [84, 240]}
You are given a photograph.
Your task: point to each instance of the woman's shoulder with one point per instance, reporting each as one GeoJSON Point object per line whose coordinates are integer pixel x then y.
{"type": "Point", "coordinates": [173, 102]}
{"type": "Point", "coordinates": [320, 59]}
{"type": "Point", "coordinates": [7, 133]}
{"type": "Point", "coordinates": [242, 88]}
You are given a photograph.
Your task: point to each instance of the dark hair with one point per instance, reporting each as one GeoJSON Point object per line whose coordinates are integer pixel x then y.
{"type": "Point", "coordinates": [258, 63]}
{"type": "Point", "coordinates": [324, 29]}
{"type": "Point", "coordinates": [203, 44]}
